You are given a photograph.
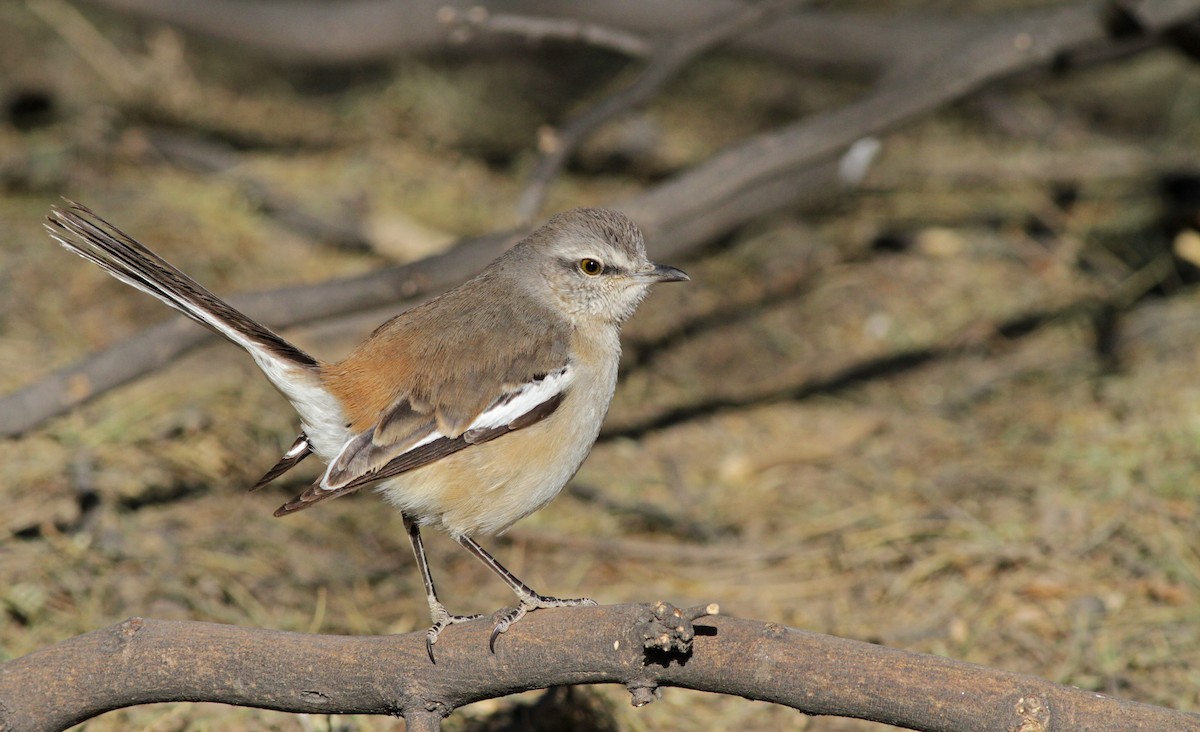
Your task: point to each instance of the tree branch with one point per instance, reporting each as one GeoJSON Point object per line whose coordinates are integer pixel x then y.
{"type": "Point", "coordinates": [763, 174]}
{"type": "Point", "coordinates": [1030, 40]}
{"type": "Point", "coordinates": [373, 30]}
{"type": "Point", "coordinates": [641, 646]}
{"type": "Point", "coordinates": [665, 63]}
{"type": "Point", "coordinates": [158, 345]}
{"type": "Point", "coordinates": [464, 26]}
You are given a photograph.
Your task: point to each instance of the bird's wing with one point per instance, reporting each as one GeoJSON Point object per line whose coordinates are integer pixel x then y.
{"type": "Point", "coordinates": [463, 369]}
{"type": "Point", "coordinates": [408, 436]}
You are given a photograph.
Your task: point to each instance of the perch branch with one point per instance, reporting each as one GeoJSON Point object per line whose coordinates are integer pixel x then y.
{"type": "Point", "coordinates": [643, 647]}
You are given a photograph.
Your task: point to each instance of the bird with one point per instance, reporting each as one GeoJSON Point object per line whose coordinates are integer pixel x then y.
{"type": "Point", "coordinates": [468, 412]}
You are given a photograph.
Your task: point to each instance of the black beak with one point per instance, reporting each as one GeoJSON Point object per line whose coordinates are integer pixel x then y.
{"type": "Point", "coordinates": [664, 273]}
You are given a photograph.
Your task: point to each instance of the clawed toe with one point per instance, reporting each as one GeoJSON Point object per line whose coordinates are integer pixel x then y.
{"type": "Point", "coordinates": [569, 603]}
{"type": "Point", "coordinates": [508, 616]}
{"type": "Point", "coordinates": [504, 621]}
{"type": "Point", "coordinates": [504, 618]}
{"type": "Point", "coordinates": [441, 621]}
{"type": "Point", "coordinates": [537, 602]}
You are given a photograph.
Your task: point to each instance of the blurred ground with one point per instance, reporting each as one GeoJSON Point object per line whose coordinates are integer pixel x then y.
{"type": "Point", "coordinates": [899, 416]}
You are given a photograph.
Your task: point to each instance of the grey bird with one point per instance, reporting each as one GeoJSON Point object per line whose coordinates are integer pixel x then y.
{"type": "Point", "coordinates": [468, 412]}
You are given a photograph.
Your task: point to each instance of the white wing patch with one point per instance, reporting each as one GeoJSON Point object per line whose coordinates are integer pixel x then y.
{"type": "Point", "coordinates": [523, 399]}
{"type": "Point", "coordinates": [505, 410]}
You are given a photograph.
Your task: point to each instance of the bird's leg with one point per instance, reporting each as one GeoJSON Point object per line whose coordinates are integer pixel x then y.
{"type": "Point", "coordinates": [441, 617]}
{"type": "Point", "coordinates": [530, 600]}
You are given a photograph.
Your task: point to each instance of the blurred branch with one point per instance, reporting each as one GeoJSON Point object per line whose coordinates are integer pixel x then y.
{"type": "Point", "coordinates": [663, 65]}
{"type": "Point", "coordinates": [763, 174]}
{"type": "Point", "coordinates": [477, 21]}
{"type": "Point", "coordinates": [196, 153]}
{"type": "Point", "coordinates": [152, 348]}
{"type": "Point", "coordinates": [375, 30]}
{"type": "Point", "coordinates": [1027, 41]}
{"type": "Point", "coordinates": [643, 647]}
{"type": "Point", "coordinates": [92, 46]}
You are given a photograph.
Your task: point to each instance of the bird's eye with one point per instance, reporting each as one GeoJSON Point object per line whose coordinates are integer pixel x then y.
{"type": "Point", "coordinates": [590, 267]}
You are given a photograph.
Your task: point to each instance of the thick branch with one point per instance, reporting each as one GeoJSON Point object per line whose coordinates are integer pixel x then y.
{"type": "Point", "coordinates": [144, 661]}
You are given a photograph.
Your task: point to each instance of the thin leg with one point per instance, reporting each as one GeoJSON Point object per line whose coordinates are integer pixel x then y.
{"type": "Point", "coordinates": [530, 600]}
{"type": "Point", "coordinates": [441, 617]}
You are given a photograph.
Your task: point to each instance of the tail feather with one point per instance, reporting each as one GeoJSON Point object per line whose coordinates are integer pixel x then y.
{"type": "Point", "coordinates": [299, 450]}
{"type": "Point", "coordinates": [83, 232]}
{"type": "Point", "coordinates": [292, 371]}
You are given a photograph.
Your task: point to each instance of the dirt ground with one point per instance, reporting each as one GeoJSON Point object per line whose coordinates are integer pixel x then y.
{"type": "Point", "coordinates": [955, 410]}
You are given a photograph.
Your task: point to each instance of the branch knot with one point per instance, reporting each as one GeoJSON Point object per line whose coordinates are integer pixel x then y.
{"type": "Point", "coordinates": [669, 629]}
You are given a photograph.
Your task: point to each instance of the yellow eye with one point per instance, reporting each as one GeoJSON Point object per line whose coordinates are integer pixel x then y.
{"type": "Point", "coordinates": [590, 267]}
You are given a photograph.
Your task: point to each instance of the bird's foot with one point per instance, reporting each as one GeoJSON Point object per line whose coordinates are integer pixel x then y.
{"type": "Point", "coordinates": [532, 601]}
{"type": "Point", "coordinates": [442, 619]}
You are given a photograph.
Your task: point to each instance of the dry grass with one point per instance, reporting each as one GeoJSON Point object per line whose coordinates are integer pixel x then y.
{"type": "Point", "coordinates": [1002, 500]}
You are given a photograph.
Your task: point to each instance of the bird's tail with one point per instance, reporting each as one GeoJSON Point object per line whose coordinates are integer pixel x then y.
{"type": "Point", "coordinates": [83, 232]}
{"type": "Point", "coordinates": [295, 373]}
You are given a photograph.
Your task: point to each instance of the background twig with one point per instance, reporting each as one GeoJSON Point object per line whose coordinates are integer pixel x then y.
{"type": "Point", "coordinates": [559, 145]}
{"type": "Point", "coordinates": [740, 183]}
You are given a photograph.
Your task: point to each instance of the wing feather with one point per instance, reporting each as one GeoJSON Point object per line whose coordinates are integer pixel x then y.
{"type": "Point", "coordinates": [405, 439]}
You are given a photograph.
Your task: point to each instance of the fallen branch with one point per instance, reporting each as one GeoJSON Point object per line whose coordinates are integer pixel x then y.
{"type": "Point", "coordinates": [374, 30]}
{"type": "Point", "coordinates": [208, 157]}
{"type": "Point", "coordinates": [662, 66]}
{"type": "Point", "coordinates": [158, 345]}
{"type": "Point", "coordinates": [766, 173]}
{"type": "Point", "coordinates": [1030, 40]}
{"type": "Point", "coordinates": [465, 26]}
{"type": "Point", "coordinates": [642, 647]}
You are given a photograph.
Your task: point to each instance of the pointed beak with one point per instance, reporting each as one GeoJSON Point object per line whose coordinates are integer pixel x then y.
{"type": "Point", "coordinates": [663, 273]}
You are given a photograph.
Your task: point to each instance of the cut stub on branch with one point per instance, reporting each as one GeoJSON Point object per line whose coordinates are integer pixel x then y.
{"type": "Point", "coordinates": [666, 633]}
{"type": "Point", "coordinates": [669, 629]}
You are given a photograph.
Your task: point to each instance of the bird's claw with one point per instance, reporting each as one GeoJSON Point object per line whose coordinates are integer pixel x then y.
{"type": "Point", "coordinates": [505, 618]}
{"type": "Point", "coordinates": [442, 620]}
